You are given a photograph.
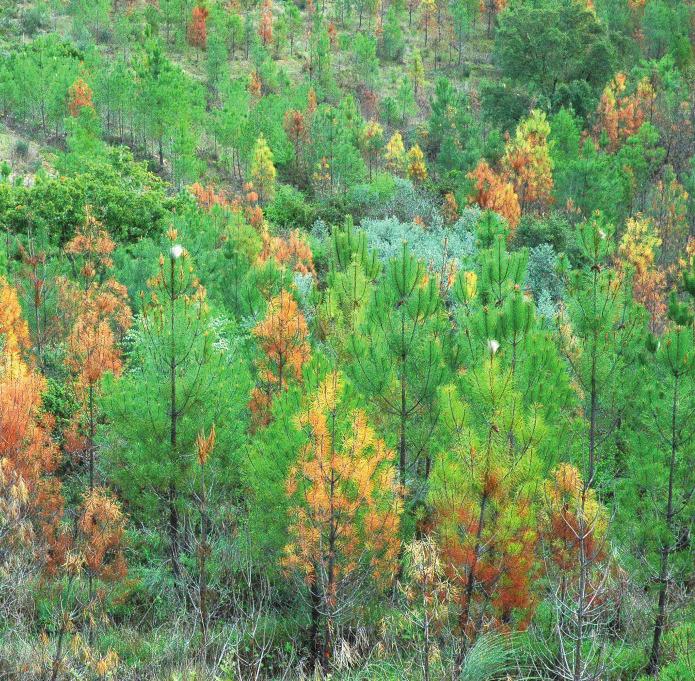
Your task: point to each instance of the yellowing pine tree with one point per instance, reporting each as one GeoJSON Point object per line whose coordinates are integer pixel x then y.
{"type": "Point", "coordinates": [263, 171]}
{"type": "Point", "coordinates": [417, 73]}
{"type": "Point", "coordinates": [417, 170]}
{"type": "Point", "coordinates": [345, 508]}
{"type": "Point", "coordinates": [491, 192]}
{"type": "Point", "coordinates": [639, 247]}
{"type": "Point", "coordinates": [527, 163]}
{"type": "Point", "coordinates": [14, 331]}
{"type": "Point", "coordinates": [395, 156]}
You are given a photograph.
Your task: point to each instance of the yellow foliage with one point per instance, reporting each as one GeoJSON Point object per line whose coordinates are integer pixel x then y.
{"type": "Point", "coordinates": [417, 170]}
{"type": "Point", "coordinates": [394, 154]}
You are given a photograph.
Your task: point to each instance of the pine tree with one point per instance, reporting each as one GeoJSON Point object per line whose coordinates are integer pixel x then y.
{"type": "Point", "coordinates": [428, 9]}
{"type": "Point", "coordinates": [204, 446]}
{"type": "Point", "coordinates": [574, 530]}
{"type": "Point", "coordinates": [100, 316]}
{"type": "Point", "coordinates": [100, 543]}
{"type": "Point", "coordinates": [483, 490]}
{"type": "Point", "coordinates": [493, 193]}
{"type": "Point", "coordinates": [292, 253]}
{"type": "Point", "coordinates": [595, 335]}
{"type": "Point", "coordinates": [492, 8]}
{"type": "Point", "coordinates": [620, 115]}
{"type": "Point", "coordinates": [295, 125]}
{"type": "Point", "coordinates": [417, 170]}
{"type": "Point", "coordinates": [262, 170]}
{"type": "Point", "coordinates": [79, 96]}
{"type": "Point", "coordinates": [283, 337]}
{"type": "Point", "coordinates": [397, 361]}
{"type": "Point", "coordinates": [639, 248]}
{"type": "Point", "coordinates": [429, 594]}
{"type": "Point", "coordinates": [372, 141]}
{"type": "Point", "coordinates": [265, 27]}
{"type": "Point", "coordinates": [353, 270]}
{"type": "Point", "coordinates": [32, 543]}
{"type": "Point", "coordinates": [181, 379]}
{"type": "Point", "coordinates": [450, 209]}
{"type": "Point", "coordinates": [417, 73]}
{"type": "Point", "coordinates": [504, 418]}
{"type": "Point", "coordinates": [656, 497]}
{"type": "Point", "coordinates": [28, 455]}
{"type": "Point", "coordinates": [198, 28]}
{"type": "Point", "coordinates": [345, 509]}
{"type": "Point", "coordinates": [527, 164]}
{"type": "Point", "coordinates": [395, 156]}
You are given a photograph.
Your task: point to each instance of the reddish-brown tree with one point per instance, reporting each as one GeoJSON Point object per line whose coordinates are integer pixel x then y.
{"type": "Point", "coordinates": [450, 209]}
{"type": "Point", "coordinates": [265, 26]}
{"type": "Point", "coordinates": [99, 315]}
{"type": "Point", "coordinates": [296, 129]}
{"type": "Point", "coordinates": [28, 455]}
{"type": "Point", "coordinates": [79, 96]}
{"type": "Point", "coordinates": [198, 27]}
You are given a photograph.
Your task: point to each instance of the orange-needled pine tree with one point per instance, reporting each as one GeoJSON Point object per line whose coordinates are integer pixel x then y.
{"type": "Point", "coordinates": [492, 192]}
{"type": "Point", "coordinates": [283, 337]}
{"type": "Point", "coordinates": [345, 509]}
{"type": "Point", "coordinates": [100, 315]}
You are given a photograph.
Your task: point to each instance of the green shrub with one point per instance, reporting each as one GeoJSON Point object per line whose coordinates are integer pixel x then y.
{"type": "Point", "coordinates": [290, 210]}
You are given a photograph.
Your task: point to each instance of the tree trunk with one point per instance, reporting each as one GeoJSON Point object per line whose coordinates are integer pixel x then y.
{"type": "Point", "coordinates": [660, 622]}
{"type": "Point", "coordinates": [173, 415]}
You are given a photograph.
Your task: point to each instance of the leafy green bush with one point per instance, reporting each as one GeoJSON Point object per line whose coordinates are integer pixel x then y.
{"type": "Point", "coordinates": [129, 200]}
{"type": "Point", "coordinates": [290, 210]}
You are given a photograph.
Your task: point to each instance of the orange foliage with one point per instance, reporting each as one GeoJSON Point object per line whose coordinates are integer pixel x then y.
{"type": "Point", "coordinates": [296, 129]}
{"type": "Point", "coordinates": [346, 506]}
{"type": "Point", "coordinates": [283, 337]}
{"type": "Point", "coordinates": [101, 525]}
{"type": "Point", "coordinates": [620, 115]}
{"type": "Point", "coordinates": [14, 331]}
{"type": "Point", "coordinates": [492, 193]}
{"type": "Point", "coordinates": [493, 563]}
{"type": "Point", "coordinates": [450, 209]}
{"type": "Point", "coordinates": [333, 35]}
{"type": "Point", "coordinates": [527, 164]}
{"type": "Point", "coordinates": [99, 301]}
{"type": "Point", "coordinates": [255, 86]}
{"type": "Point", "coordinates": [92, 344]}
{"type": "Point", "coordinates": [252, 210]}
{"type": "Point", "coordinates": [565, 512]}
{"type": "Point", "coordinates": [28, 455]}
{"type": "Point", "coordinates": [311, 102]}
{"type": "Point", "coordinates": [207, 197]}
{"type": "Point", "coordinates": [79, 96]}
{"type": "Point", "coordinates": [204, 444]}
{"type": "Point", "coordinates": [198, 27]}
{"type": "Point", "coordinates": [97, 316]}
{"type": "Point", "coordinates": [265, 28]}
{"type": "Point", "coordinates": [293, 253]}
{"type": "Point", "coordinates": [93, 244]}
